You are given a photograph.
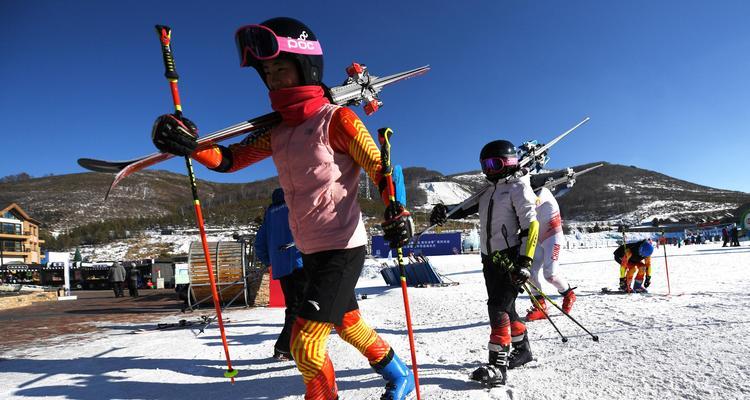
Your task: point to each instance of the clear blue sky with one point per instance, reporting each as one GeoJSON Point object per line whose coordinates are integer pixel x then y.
{"type": "Point", "coordinates": [666, 83]}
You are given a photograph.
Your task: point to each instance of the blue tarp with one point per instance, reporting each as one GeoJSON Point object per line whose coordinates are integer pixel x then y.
{"type": "Point", "coordinates": [417, 274]}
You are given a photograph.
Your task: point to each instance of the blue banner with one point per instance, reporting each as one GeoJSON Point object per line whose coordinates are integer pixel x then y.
{"type": "Point", "coordinates": [430, 244]}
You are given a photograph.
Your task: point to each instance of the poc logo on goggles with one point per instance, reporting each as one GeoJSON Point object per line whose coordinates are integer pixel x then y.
{"type": "Point", "coordinates": [300, 45]}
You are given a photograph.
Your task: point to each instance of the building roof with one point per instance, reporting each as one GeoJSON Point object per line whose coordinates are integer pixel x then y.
{"type": "Point", "coordinates": [19, 210]}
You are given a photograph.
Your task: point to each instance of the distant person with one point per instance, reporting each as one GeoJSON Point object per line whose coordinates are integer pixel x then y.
{"type": "Point", "coordinates": [546, 257]}
{"type": "Point", "coordinates": [735, 237]}
{"type": "Point", "coordinates": [133, 278]}
{"type": "Point", "coordinates": [274, 246]}
{"type": "Point", "coordinates": [634, 257]}
{"type": "Point", "coordinates": [724, 237]}
{"type": "Point", "coordinates": [116, 278]}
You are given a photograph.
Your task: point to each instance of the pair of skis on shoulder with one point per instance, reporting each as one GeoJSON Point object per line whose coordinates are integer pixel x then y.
{"type": "Point", "coordinates": [360, 87]}
{"type": "Point", "coordinates": [534, 157]}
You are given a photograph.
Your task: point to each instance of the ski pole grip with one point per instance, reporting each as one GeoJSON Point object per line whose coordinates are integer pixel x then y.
{"type": "Point", "coordinates": [384, 137]}
{"type": "Point", "coordinates": [165, 36]}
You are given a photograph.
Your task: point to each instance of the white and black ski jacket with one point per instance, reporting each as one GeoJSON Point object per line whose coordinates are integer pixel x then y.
{"type": "Point", "coordinates": [512, 204]}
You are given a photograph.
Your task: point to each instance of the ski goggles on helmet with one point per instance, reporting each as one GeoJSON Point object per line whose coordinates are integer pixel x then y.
{"type": "Point", "coordinates": [494, 165]}
{"type": "Point", "coordinates": [261, 43]}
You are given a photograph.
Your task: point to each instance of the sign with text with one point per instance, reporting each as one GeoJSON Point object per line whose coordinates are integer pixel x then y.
{"type": "Point", "coordinates": [430, 244]}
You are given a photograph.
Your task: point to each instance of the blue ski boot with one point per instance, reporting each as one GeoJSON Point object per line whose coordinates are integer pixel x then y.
{"type": "Point", "coordinates": [638, 286]}
{"type": "Point", "coordinates": [400, 379]}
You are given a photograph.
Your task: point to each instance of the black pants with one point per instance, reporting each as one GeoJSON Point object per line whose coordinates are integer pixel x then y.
{"type": "Point", "coordinates": [117, 288]}
{"type": "Point", "coordinates": [293, 286]}
{"type": "Point", "coordinates": [133, 289]}
{"type": "Point", "coordinates": [501, 292]}
{"type": "Point", "coordinates": [332, 276]}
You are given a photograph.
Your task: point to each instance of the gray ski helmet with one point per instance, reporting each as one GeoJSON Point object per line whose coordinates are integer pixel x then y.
{"type": "Point", "coordinates": [498, 159]}
{"type": "Point", "coordinates": [281, 37]}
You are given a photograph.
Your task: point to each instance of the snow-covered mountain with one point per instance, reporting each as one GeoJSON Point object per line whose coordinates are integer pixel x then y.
{"type": "Point", "coordinates": [610, 193]}
{"type": "Point", "coordinates": [444, 192]}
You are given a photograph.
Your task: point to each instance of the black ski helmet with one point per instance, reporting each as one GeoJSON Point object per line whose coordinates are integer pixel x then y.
{"type": "Point", "coordinates": [281, 37]}
{"type": "Point", "coordinates": [498, 159]}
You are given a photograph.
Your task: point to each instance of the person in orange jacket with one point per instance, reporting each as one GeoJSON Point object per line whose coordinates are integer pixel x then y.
{"type": "Point", "coordinates": [634, 257]}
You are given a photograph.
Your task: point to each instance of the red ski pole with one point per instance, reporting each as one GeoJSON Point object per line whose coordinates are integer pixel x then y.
{"type": "Point", "coordinates": [384, 136]}
{"type": "Point", "coordinates": [666, 267]}
{"type": "Point", "coordinates": [165, 36]}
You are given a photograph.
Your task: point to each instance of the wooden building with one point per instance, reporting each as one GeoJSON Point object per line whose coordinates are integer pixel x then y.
{"type": "Point", "coordinates": [19, 236]}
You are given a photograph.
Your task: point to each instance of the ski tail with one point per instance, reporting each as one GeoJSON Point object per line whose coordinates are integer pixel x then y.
{"type": "Point", "coordinates": [569, 178]}
{"type": "Point", "coordinates": [107, 166]}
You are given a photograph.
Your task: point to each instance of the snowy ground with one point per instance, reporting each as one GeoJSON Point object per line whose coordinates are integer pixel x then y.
{"type": "Point", "coordinates": [691, 345]}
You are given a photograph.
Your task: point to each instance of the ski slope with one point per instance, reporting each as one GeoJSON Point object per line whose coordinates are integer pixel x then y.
{"type": "Point", "coordinates": [443, 192]}
{"type": "Point", "coordinates": [691, 345]}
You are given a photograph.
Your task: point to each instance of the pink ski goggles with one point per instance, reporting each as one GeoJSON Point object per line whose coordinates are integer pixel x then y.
{"type": "Point", "coordinates": [261, 43]}
{"type": "Point", "coordinates": [494, 165]}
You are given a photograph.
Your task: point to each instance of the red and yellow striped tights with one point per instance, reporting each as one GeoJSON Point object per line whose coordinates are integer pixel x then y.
{"type": "Point", "coordinates": [309, 340]}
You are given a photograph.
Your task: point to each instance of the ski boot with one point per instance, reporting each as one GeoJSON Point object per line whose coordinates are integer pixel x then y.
{"type": "Point", "coordinates": [521, 353]}
{"type": "Point", "coordinates": [638, 286]}
{"type": "Point", "coordinates": [495, 372]}
{"type": "Point", "coordinates": [400, 380]}
{"type": "Point", "coordinates": [569, 297]}
{"type": "Point", "coordinates": [282, 355]}
{"type": "Point", "coordinates": [623, 285]}
{"type": "Point", "coordinates": [536, 313]}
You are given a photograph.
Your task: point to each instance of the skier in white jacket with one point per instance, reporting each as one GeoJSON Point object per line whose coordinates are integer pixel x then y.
{"type": "Point", "coordinates": [546, 257]}
{"type": "Point", "coordinates": [508, 237]}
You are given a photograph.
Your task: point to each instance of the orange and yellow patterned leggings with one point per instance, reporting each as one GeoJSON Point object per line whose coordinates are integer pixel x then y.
{"type": "Point", "coordinates": [309, 341]}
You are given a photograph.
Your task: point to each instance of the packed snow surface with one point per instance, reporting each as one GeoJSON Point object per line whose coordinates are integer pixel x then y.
{"type": "Point", "coordinates": [693, 344]}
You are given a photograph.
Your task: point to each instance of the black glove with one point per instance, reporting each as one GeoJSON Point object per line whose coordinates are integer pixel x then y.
{"type": "Point", "coordinates": [647, 282]}
{"type": "Point", "coordinates": [439, 215]}
{"type": "Point", "coordinates": [521, 271]}
{"type": "Point", "coordinates": [398, 225]}
{"type": "Point", "coordinates": [623, 287]}
{"type": "Point", "coordinates": [175, 136]}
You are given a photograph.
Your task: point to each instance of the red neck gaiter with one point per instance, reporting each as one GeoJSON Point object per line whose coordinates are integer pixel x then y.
{"type": "Point", "coordinates": [297, 104]}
